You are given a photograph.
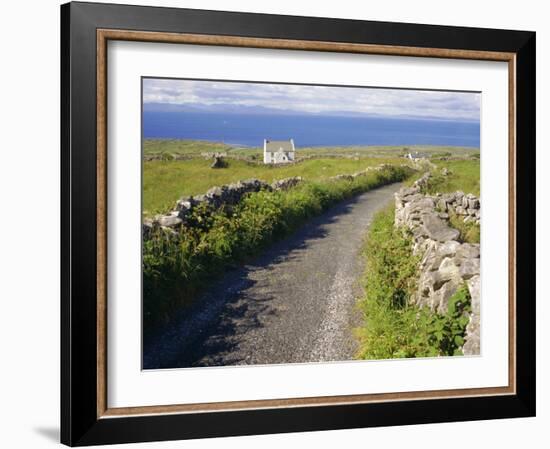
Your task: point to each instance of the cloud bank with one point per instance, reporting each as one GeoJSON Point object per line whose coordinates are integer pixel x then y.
{"type": "Point", "coordinates": [223, 96]}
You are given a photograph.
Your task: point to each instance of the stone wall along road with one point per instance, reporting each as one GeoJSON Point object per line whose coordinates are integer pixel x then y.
{"type": "Point", "coordinates": [446, 263]}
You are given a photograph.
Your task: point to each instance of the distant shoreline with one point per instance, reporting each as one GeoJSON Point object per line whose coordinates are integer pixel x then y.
{"type": "Point", "coordinates": [234, 145]}
{"type": "Point", "coordinates": [309, 131]}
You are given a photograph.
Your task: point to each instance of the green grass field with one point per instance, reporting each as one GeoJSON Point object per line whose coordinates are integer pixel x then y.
{"type": "Point", "coordinates": [164, 182]}
{"type": "Point", "coordinates": [464, 175]}
{"type": "Point", "coordinates": [188, 147]}
{"type": "Point", "coordinates": [196, 147]}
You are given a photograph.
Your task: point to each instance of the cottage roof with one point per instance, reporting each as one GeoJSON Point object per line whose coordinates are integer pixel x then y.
{"type": "Point", "coordinates": [279, 145]}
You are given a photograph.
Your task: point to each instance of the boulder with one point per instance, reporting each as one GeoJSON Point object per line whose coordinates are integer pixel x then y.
{"type": "Point", "coordinates": [442, 205]}
{"type": "Point", "coordinates": [286, 183]}
{"type": "Point", "coordinates": [406, 191]}
{"type": "Point", "coordinates": [448, 249]}
{"type": "Point", "coordinates": [437, 229]}
{"type": "Point", "coordinates": [146, 228]}
{"type": "Point", "coordinates": [218, 162]}
{"type": "Point", "coordinates": [460, 210]}
{"type": "Point", "coordinates": [440, 300]}
{"type": "Point", "coordinates": [435, 288]}
{"type": "Point", "coordinates": [169, 221]}
{"type": "Point", "coordinates": [469, 268]}
{"type": "Point", "coordinates": [184, 204]}
{"type": "Point", "coordinates": [468, 250]}
{"type": "Point", "coordinates": [472, 335]}
{"type": "Point", "coordinates": [473, 203]}
{"type": "Point", "coordinates": [343, 177]}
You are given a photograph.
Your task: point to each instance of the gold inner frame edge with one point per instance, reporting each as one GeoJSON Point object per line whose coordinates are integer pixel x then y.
{"type": "Point", "coordinates": [103, 36]}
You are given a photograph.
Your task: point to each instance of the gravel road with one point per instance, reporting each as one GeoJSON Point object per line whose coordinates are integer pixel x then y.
{"type": "Point", "coordinates": [294, 303]}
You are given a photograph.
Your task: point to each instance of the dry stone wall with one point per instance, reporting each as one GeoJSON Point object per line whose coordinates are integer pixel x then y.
{"type": "Point", "coordinates": [226, 195]}
{"type": "Point", "coordinates": [446, 263]}
{"type": "Point", "coordinates": [229, 195]}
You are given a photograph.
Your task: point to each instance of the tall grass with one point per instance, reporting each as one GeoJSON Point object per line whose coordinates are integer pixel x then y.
{"type": "Point", "coordinates": [393, 327]}
{"type": "Point", "coordinates": [177, 267]}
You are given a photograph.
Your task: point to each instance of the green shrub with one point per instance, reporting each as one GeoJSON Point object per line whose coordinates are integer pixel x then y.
{"type": "Point", "coordinates": [393, 327]}
{"type": "Point", "coordinates": [177, 267]}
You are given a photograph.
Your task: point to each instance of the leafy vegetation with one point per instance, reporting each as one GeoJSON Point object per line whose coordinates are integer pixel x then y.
{"type": "Point", "coordinates": [469, 231]}
{"type": "Point", "coordinates": [176, 267]}
{"type": "Point", "coordinates": [393, 327]}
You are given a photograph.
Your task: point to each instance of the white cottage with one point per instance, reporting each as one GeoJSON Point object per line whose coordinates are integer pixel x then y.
{"type": "Point", "coordinates": [279, 151]}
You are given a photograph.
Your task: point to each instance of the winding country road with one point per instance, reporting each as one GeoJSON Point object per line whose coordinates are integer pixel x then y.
{"type": "Point", "coordinates": [294, 303]}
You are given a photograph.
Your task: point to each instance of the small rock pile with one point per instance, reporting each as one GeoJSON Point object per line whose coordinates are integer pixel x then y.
{"type": "Point", "coordinates": [446, 263]}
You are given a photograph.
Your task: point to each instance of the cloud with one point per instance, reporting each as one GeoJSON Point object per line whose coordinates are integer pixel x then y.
{"type": "Point", "coordinates": [222, 95]}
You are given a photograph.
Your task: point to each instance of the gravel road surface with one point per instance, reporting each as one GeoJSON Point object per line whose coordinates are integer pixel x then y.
{"type": "Point", "coordinates": [294, 303]}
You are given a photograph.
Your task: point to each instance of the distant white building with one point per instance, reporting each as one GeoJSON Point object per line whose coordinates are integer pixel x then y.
{"type": "Point", "coordinates": [413, 156]}
{"type": "Point", "coordinates": [279, 151]}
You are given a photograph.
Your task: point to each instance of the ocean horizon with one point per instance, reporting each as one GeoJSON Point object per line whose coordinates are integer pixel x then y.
{"type": "Point", "coordinates": [249, 130]}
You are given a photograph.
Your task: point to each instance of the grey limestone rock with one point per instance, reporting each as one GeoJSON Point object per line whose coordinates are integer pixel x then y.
{"type": "Point", "coordinates": [472, 338]}
{"type": "Point", "coordinates": [170, 221]}
{"type": "Point", "coordinates": [437, 229]}
{"type": "Point", "coordinates": [446, 264]}
{"type": "Point", "coordinates": [286, 183]}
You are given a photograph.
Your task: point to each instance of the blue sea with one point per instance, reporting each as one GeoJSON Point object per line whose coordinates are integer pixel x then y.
{"type": "Point", "coordinates": [308, 130]}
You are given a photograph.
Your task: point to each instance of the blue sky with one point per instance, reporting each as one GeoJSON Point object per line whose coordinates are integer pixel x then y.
{"type": "Point", "coordinates": [223, 96]}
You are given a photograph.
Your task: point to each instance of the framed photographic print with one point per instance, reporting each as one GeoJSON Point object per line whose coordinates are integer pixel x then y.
{"type": "Point", "coordinates": [274, 224]}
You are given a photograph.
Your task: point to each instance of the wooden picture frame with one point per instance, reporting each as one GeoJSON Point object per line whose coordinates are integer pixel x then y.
{"type": "Point", "coordinates": [86, 29]}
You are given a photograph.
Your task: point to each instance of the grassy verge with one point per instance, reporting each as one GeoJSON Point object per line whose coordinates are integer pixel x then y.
{"type": "Point", "coordinates": [176, 268]}
{"type": "Point", "coordinates": [393, 328]}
